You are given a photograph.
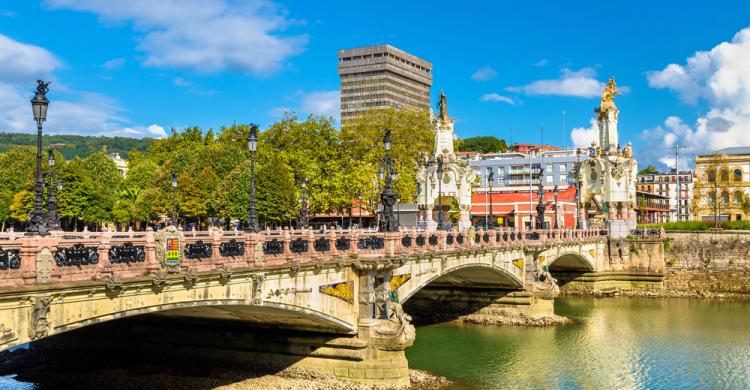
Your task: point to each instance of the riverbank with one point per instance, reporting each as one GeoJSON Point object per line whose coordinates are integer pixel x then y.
{"type": "Point", "coordinates": [48, 368]}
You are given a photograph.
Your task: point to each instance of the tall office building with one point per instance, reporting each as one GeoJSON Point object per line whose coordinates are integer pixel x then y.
{"type": "Point", "coordinates": [382, 76]}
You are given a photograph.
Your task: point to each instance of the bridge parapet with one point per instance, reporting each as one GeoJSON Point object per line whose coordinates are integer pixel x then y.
{"type": "Point", "coordinates": [86, 256]}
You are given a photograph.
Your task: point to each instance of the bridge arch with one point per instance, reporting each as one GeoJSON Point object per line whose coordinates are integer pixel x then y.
{"type": "Point", "coordinates": [64, 316]}
{"type": "Point", "coordinates": [476, 275]}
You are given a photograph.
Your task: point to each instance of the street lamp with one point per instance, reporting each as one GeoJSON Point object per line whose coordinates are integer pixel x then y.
{"type": "Point", "coordinates": [490, 180]}
{"type": "Point", "coordinates": [388, 196]}
{"type": "Point", "coordinates": [360, 211]}
{"type": "Point", "coordinates": [53, 219]}
{"type": "Point", "coordinates": [440, 192]}
{"type": "Point", "coordinates": [252, 146]}
{"type": "Point", "coordinates": [303, 201]}
{"type": "Point", "coordinates": [174, 199]}
{"type": "Point", "coordinates": [39, 104]}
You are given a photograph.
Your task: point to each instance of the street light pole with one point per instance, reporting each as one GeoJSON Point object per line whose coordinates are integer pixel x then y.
{"type": "Point", "coordinates": [252, 145]}
{"type": "Point", "coordinates": [440, 192]}
{"type": "Point", "coordinates": [360, 211]}
{"type": "Point", "coordinates": [53, 219]}
{"type": "Point", "coordinates": [387, 221]}
{"type": "Point", "coordinates": [39, 104]}
{"type": "Point", "coordinates": [174, 199]}
{"type": "Point", "coordinates": [491, 179]}
{"type": "Point", "coordinates": [303, 205]}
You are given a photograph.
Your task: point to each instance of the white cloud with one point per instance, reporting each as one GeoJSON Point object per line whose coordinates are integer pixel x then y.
{"type": "Point", "coordinates": [541, 63]}
{"type": "Point", "coordinates": [484, 73]}
{"type": "Point", "coordinates": [204, 35]}
{"type": "Point", "coordinates": [23, 63]}
{"type": "Point", "coordinates": [153, 131]}
{"type": "Point", "coordinates": [180, 82]}
{"type": "Point", "coordinates": [113, 63]}
{"type": "Point", "coordinates": [582, 137]}
{"type": "Point", "coordinates": [70, 111]}
{"type": "Point", "coordinates": [721, 78]}
{"type": "Point", "coordinates": [494, 97]}
{"type": "Point", "coordinates": [321, 103]}
{"type": "Point", "coordinates": [580, 83]}
{"type": "Point", "coordinates": [7, 13]}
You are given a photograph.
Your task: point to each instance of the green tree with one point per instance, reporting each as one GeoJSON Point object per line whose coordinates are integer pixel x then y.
{"type": "Point", "coordinates": [362, 139]}
{"type": "Point", "coordinates": [276, 196]}
{"type": "Point", "coordinates": [648, 170]}
{"type": "Point", "coordinates": [483, 144]}
{"type": "Point", "coordinates": [16, 174]}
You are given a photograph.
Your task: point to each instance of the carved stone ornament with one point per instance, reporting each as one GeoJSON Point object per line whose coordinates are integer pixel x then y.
{"type": "Point", "coordinates": [294, 267]}
{"type": "Point", "coordinates": [258, 280]}
{"type": "Point", "coordinates": [159, 278]}
{"type": "Point", "coordinates": [39, 322]}
{"type": "Point", "coordinates": [114, 283]}
{"type": "Point", "coordinates": [340, 263]}
{"type": "Point", "coordinates": [191, 275]}
{"type": "Point", "coordinates": [318, 267]}
{"type": "Point", "coordinates": [396, 333]}
{"type": "Point", "coordinates": [225, 272]}
{"type": "Point", "coordinates": [6, 334]}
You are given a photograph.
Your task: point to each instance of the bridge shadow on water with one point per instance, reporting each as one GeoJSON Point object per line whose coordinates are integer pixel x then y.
{"type": "Point", "coordinates": [157, 352]}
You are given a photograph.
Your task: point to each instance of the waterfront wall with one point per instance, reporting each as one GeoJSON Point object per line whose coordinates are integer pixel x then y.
{"type": "Point", "coordinates": [707, 263]}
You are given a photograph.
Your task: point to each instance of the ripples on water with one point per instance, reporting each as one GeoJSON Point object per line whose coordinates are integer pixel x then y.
{"type": "Point", "coordinates": [615, 343]}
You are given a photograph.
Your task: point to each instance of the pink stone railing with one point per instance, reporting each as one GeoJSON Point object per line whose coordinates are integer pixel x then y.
{"type": "Point", "coordinates": [266, 249]}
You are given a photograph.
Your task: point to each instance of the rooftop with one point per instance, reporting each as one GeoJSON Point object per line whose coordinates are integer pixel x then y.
{"type": "Point", "coordinates": [735, 150]}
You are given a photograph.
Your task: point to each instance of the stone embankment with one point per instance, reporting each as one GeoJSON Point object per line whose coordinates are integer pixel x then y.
{"type": "Point", "coordinates": [705, 264]}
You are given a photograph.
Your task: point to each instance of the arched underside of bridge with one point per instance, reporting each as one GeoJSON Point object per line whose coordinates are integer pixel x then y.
{"type": "Point", "coordinates": [241, 312]}
{"type": "Point", "coordinates": [474, 275]}
{"type": "Point", "coordinates": [571, 262]}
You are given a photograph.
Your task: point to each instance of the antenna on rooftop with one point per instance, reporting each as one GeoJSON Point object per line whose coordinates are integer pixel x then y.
{"type": "Point", "coordinates": [564, 128]}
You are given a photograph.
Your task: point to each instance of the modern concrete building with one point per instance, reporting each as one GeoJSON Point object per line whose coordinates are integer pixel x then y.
{"type": "Point", "coordinates": [665, 184]}
{"type": "Point", "coordinates": [382, 76]}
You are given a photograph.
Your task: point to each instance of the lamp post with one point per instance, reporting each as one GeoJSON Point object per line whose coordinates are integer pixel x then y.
{"type": "Point", "coordinates": [360, 211]}
{"type": "Point", "coordinates": [303, 204]}
{"type": "Point", "coordinates": [37, 224]}
{"type": "Point", "coordinates": [440, 192]}
{"type": "Point", "coordinates": [252, 146]}
{"type": "Point", "coordinates": [490, 180]}
{"type": "Point", "coordinates": [387, 221]}
{"type": "Point", "coordinates": [174, 199]}
{"type": "Point", "coordinates": [52, 218]}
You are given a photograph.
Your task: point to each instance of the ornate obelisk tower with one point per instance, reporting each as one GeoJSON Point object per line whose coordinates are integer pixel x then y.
{"type": "Point", "coordinates": [607, 178]}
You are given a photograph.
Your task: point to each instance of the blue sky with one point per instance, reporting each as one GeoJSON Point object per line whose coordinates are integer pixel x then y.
{"type": "Point", "coordinates": [137, 67]}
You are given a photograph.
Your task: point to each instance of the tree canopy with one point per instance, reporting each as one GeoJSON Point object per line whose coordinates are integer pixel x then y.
{"type": "Point", "coordinates": [483, 144]}
{"type": "Point", "coordinates": [213, 172]}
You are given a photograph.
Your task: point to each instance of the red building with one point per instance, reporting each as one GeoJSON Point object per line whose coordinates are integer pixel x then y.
{"type": "Point", "coordinates": [527, 148]}
{"type": "Point", "coordinates": [512, 208]}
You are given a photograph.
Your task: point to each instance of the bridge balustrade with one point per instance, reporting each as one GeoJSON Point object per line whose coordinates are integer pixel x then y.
{"type": "Point", "coordinates": [79, 256]}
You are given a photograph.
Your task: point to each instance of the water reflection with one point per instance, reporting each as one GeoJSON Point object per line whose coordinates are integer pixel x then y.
{"type": "Point", "coordinates": [622, 343]}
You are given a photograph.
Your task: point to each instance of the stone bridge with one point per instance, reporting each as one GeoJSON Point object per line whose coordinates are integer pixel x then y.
{"type": "Point", "coordinates": [346, 284]}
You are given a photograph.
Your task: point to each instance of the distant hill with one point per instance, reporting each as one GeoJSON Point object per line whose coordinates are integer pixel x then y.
{"type": "Point", "coordinates": [76, 145]}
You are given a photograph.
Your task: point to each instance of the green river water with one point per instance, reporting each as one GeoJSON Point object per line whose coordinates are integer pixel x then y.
{"type": "Point", "coordinates": [615, 343]}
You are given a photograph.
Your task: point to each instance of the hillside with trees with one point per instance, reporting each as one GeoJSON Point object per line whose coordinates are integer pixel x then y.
{"type": "Point", "coordinates": [70, 146]}
{"type": "Point", "coordinates": [483, 144]}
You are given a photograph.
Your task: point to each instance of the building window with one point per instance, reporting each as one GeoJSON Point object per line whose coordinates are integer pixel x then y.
{"type": "Point", "coordinates": [725, 198]}
{"type": "Point", "coordinates": [711, 174]}
{"type": "Point", "coordinates": [724, 175]}
{"type": "Point", "coordinates": [712, 198]}
{"type": "Point", "coordinates": [562, 168]}
{"type": "Point", "coordinates": [549, 168]}
{"type": "Point", "coordinates": [550, 179]}
{"type": "Point", "coordinates": [563, 179]}
{"type": "Point", "coordinates": [738, 197]}
{"type": "Point", "coordinates": [737, 175]}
